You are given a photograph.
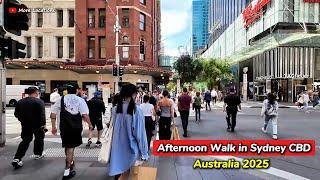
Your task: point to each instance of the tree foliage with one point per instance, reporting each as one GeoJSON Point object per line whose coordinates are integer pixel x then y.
{"type": "Point", "coordinates": [209, 71]}
{"type": "Point", "coordinates": [215, 71]}
{"type": "Point", "coordinates": [187, 68]}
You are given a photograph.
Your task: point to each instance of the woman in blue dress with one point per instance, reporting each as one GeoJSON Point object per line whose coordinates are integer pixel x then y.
{"type": "Point", "coordinates": [129, 141]}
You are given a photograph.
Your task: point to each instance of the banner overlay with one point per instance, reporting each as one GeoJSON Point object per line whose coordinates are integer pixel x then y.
{"type": "Point", "coordinates": [234, 148]}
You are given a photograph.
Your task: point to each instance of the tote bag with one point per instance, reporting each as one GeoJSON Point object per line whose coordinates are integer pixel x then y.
{"type": "Point", "coordinates": [175, 132]}
{"type": "Point", "coordinates": [104, 155]}
{"type": "Point", "coordinates": [143, 173]}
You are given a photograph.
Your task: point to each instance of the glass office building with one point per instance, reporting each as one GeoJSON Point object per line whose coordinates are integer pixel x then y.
{"type": "Point", "coordinates": [199, 25]}
{"type": "Point", "coordinates": [221, 14]}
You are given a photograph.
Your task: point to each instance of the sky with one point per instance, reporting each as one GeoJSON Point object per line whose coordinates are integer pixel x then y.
{"type": "Point", "coordinates": [176, 21]}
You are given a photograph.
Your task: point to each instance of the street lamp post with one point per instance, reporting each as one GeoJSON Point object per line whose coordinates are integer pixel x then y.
{"type": "Point", "coordinates": [117, 29]}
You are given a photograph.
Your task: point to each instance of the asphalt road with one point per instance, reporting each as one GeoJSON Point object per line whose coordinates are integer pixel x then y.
{"type": "Point", "coordinates": [292, 124]}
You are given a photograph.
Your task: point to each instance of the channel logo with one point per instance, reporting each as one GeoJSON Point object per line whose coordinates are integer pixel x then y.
{"type": "Point", "coordinates": [12, 10]}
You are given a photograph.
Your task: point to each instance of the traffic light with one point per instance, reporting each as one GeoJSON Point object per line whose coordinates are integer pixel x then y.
{"type": "Point", "coordinates": [142, 47]}
{"type": "Point", "coordinates": [12, 49]}
{"type": "Point", "coordinates": [114, 70]}
{"type": "Point", "coordinates": [15, 17]}
{"type": "Point", "coordinates": [121, 70]}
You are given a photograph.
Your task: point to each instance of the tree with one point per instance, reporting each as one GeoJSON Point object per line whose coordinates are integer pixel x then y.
{"type": "Point", "coordinates": [188, 68]}
{"type": "Point", "coordinates": [171, 86]}
{"type": "Point", "coordinates": [215, 71]}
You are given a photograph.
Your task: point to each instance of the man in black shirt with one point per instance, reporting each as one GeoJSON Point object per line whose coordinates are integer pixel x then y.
{"type": "Point", "coordinates": [30, 111]}
{"type": "Point", "coordinates": [96, 109]}
{"type": "Point", "coordinates": [231, 104]}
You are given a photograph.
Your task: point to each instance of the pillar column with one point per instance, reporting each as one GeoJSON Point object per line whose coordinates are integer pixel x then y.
{"type": "Point", "coordinates": [65, 47]}
{"type": "Point", "coordinates": [34, 19]}
{"type": "Point", "coordinates": [34, 48]}
{"type": "Point", "coordinates": [54, 52]}
{"type": "Point", "coordinates": [65, 18]}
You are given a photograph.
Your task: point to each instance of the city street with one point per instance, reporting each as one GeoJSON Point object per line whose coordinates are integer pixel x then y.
{"type": "Point", "coordinates": [292, 125]}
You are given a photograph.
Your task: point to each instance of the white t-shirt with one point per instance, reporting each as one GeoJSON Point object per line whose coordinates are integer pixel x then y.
{"type": "Point", "coordinates": [54, 97]}
{"type": "Point", "coordinates": [147, 109]}
{"type": "Point", "coordinates": [306, 98]}
{"type": "Point", "coordinates": [73, 104]}
{"type": "Point", "coordinates": [214, 93]}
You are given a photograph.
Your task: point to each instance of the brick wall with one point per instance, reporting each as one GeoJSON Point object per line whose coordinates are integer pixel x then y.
{"type": "Point", "coordinates": [133, 31]}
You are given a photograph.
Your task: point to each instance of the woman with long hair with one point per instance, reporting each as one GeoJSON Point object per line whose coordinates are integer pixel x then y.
{"type": "Point", "coordinates": [270, 111]}
{"type": "Point", "coordinates": [166, 112]}
{"type": "Point", "coordinates": [149, 116]}
{"type": "Point", "coordinates": [129, 141]}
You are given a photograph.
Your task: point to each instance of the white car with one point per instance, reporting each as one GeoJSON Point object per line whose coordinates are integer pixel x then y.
{"type": "Point", "coordinates": [14, 93]}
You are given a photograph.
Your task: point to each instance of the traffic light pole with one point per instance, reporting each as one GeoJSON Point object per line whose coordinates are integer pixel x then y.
{"type": "Point", "coordinates": [2, 98]}
{"type": "Point", "coordinates": [117, 30]}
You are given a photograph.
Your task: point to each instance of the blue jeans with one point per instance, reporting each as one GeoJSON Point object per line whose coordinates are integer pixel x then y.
{"type": "Point", "coordinates": [274, 121]}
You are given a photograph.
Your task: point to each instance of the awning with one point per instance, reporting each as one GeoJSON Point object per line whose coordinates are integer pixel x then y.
{"type": "Point", "coordinates": [87, 69]}
{"type": "Point", "coordinates": [274, 41]}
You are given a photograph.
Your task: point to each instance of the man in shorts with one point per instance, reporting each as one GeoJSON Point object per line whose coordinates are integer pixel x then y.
{"type": "Point", "coordinates": [72, 110]}
{"type": "Point", "coordinates": [96, 109]}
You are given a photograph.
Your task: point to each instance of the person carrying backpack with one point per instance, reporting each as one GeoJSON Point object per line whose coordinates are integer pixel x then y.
{"type": "Point", "coordinates": [197, 105]}
{"type": "Point", "coordinates": [270, 111]}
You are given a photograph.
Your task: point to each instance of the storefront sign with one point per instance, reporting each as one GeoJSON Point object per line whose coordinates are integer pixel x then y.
{"type": "Point", "coordinates": [311, 1]}
{"type": "Point", "coordinates": [264, 77]}
{"type": "Point", "coordinates": [295, 76]}
{"type": "Point", "coordinates": [252, 14]}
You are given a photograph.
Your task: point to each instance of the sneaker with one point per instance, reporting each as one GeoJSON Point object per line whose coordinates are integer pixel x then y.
{"type": "Point", "coordinates": [37, 157]}
{"type": "Point", "coordinates": [263, 130]}
{"type": "Point", "coordinates": [232, 130]}
{"type": "Point", "coordinates": [98, 144]}
{"type": "Point", "coordinates": [229, 129]}
{"type": "Point", "coordinates": [71, 175]}
{"type": "Point", "coordinates": [89, 143]}
{"type": "Point", "coordinates": [275, 137]}
{"type": "Point", "coordinates": [17, 163]}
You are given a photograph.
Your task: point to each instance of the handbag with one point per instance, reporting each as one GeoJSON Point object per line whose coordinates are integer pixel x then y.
{"type": "Point", "coordinates": [143, 173]}
{"type": "Point", "coordinates": [69, 121]}
{"type": "Point", "coordinates": [106, 140]}
{"type": "Point", "coordinates": [175, 132]}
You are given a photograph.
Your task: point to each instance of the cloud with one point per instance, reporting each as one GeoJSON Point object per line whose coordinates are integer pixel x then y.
{"type": "Point", "coordinates": [175, 24]}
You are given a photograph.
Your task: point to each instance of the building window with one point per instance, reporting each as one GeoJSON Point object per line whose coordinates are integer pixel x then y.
{"type": "Point", "coordinates": [71, 18]}
{"type": "Point", "coordinates": [29, 18]}
{"type": "Point", "coordinates": [40, 47]}
{"type": "Point", "coordinates": [143, 2]}
{"type": "Point", "coordinates": [91, 18]}
{"type": "Point", "coordinates": [102, 48]}
{"type": "Point", "coordinates": [28, 47]}
{"type": "Point", "coordinates": [60, 18]}
{"type": "Point", "coordinates": [60, 47]}
{"type": "Point", "coordinates": [125, 21]}
{"type": "Point", "coordinates": [40, 19]}
{"type": "Point", "coordinates": [125, 52]}
{"type": "Point", "coordinates": [71, 47]}
{"type": "Point", "coordinates": [102, 18]}
{"type": "Point", "coordinates": [142, 21]}
{"type": "Point", "coordinates": [125, 10]}
{"type": "Point", "coordinates": [91, 47]}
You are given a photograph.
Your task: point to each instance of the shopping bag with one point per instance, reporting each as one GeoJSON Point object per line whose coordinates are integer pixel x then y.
{"type": "Point", "coordinates": [175, 133]}
{"type": "Point", "coordinates": [143, 173]}
{"type": "Point", "coordinates": [106, 140]}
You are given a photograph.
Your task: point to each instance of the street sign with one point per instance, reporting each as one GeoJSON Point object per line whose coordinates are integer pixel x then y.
{"type": "Point", "coordinates": [1, 12]}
